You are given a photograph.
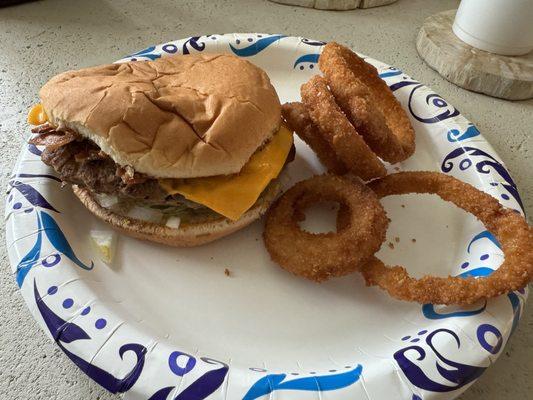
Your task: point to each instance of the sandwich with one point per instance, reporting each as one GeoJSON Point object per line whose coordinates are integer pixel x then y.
{"type": "Point", "coordinates": [182, 150]}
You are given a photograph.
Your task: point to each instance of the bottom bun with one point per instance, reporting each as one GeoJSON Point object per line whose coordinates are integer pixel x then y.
{"type": "Point", "coordinates": [187, 235]}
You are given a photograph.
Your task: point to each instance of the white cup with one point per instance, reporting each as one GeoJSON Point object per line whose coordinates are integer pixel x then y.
{"type": "Point", "coordinates": [497, 26]}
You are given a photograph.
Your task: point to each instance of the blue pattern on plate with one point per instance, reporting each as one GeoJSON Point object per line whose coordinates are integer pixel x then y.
{"type": "Point", "coordinates": [47, 176]}
{"type": "Point", "coordinates": [194, 43]}
{"type": "Point", "coordinates": [458, 374]}
{"type": "Point", "coordinates": [32, 195]}
{"type": "Point", "coordinates": [59, 241]}
{"type": "Point", "coordinates": [307, 58]}
{"type": "Point", "coordinates": [256, 47]}
{"type": "Point", "coordinates": [483, 235]}
{"type": "Point", "coordinates": [455, 135]}
{"type": "Point", "coordinates": [31, 258]}
{"type": "Point", "coordinates": [45, 223]}
{"type": "Point", "coordinates": [65, 332]}
{"type": "Point", "coordinates": [429, 310]}
{"type": "Point", "coordinates": [205, 385]}
{"type": "Point", "coordinates": [443, 110]}
{"type": "Point", "coordinates": [34, 150]}
{"type": "Point", "coordinates": [392, 72]}
{"type": "Point", "coordinates": [309, 42]}
{"type": "Point", "coordinates": [484, 164]}
{"type": "Point", "coordinates": [316, 383]}
{"type": "Point", "coordinates": [146, 53]}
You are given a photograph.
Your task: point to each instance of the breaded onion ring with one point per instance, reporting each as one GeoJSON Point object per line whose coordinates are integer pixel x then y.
{"type": "Point", "coordinates": [510, 228]}
{"type": "Point", "coordinates": [321, 256]}
{"type": "Point", "coordinates": [297, 118]}
{"type": "Point", "coordinates": [368, 102]}
{"type": "Point", "coordinates": [337, 130]}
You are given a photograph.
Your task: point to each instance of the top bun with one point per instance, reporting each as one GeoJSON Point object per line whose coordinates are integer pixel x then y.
{"type": "Point", "coordinates": [181, 116]}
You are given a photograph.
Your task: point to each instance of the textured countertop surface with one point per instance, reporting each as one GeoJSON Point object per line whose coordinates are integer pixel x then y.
{"type": "Point", "coordinates": [40, 39]}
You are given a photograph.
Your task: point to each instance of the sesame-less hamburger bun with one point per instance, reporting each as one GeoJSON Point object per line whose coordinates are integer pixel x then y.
{"type": "Point", "coordinates": [197, 137]}
{"type": "Point", "coordinates": [177, 117]}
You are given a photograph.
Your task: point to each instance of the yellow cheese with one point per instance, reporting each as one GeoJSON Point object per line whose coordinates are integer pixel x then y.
{"type": "Point", "coordinates": [233, 195]}
{"type": "Point", "coordinates": [37, 116]}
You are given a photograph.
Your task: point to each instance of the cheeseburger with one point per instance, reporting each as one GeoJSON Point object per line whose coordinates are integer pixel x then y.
{"type": "Point", "coordinates": [182, 150]}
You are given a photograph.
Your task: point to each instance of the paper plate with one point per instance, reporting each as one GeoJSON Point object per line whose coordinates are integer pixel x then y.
{"type": "Point", "coordinates": [167, 323]}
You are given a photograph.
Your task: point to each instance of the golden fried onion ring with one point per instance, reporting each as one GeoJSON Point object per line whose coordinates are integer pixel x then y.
{"type": "Point", "coordinates": [349, 146]}
{"type": "Point", "coordinates": [509, 228]}
{"type": "Point", "coordinates": [368, 103]}
{"type": "Point", "coordinates": [323, 255]}
{"type": "Point", "coordinates": [298, 119]}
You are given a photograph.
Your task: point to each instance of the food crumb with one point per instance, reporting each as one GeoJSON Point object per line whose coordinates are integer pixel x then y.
{"type": "Point", "coordinates": [391, 245]}
{"type": "Point", "coordinates": [397, 239]}
{"type": "Point", "coordinates": [210, 258]}
{"type": "Point", "coordinates": [413, 240]}
{"type": "Point", "coordinates": [227, 272]}
{"type": "Point", "coordinates": [403, 205]}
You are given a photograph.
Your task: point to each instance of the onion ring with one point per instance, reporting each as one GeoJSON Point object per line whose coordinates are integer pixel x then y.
{"type": "Point", "coordinates": [368, 103]}
{"type": "Point", "coordinates": [337, 130]}
{"type": "Point", "coordinates": [297, 118]}
{"type": "Point", "coordinates": [509, 227]}
{"type": "Point", "coordinates": [321, 256]}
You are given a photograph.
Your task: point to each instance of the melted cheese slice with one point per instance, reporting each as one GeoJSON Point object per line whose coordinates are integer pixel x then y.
{"type": "Point", "coordinates": [37, 116]}
{"type": "Point", "coordinates": [233, 195]}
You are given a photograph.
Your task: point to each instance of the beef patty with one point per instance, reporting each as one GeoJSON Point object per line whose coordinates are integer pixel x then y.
{"type": "Point", "coordinates": [80, 161]}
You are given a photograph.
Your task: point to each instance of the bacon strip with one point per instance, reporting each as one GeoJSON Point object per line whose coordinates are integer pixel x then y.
{"type": "Point", "coordinates": [54, 139]}
{"type": "Point", "coordinates": [45, 128]}
{"type": "Point", "coordinates": [49, 136]}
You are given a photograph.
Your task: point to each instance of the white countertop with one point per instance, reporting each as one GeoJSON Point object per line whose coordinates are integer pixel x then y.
{"type": "Point", "coordinates": [40, 39]}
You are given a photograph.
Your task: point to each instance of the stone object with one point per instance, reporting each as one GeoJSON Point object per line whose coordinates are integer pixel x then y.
{"type": "Point", "coordinates": [496, 75]}
{"type": "Point", "coordinates": [339, 5]}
